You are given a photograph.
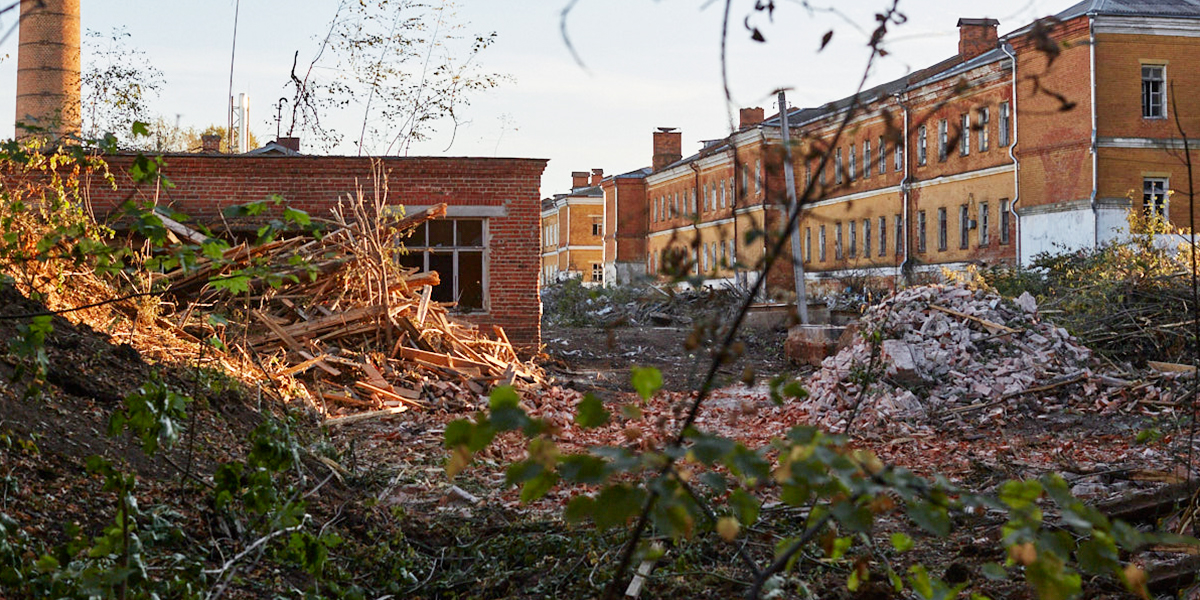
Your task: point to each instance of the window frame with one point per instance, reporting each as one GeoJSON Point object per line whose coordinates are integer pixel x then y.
{"type": "Point", "coordinates": [984, 235]}
{"type": "Point", "coordinates": [1152, 206]}
{"type": "Point", "coordinates": [1003, 127]}
{"type": "Point", "coordinates": [866, 159]}
{"type": "Point", "coordinates": [1154, 101]}
{"type": "Point", "coordinates": [922, 145]}
{"type": "Point", "coordinates": [964, 226]}
{"type": "Point", "coordinates": [964, 140]}
{"type": "Point", "coordinates": [852, 247]}
{"type": "Point", "coordinates": [943, 139]}
{"type": "Point", "coordinates": [882, 235]}
{"type": "Point", "coordinates": [838, 249]}
{"type": "Point", "coordinates": [821, 252]}
{"type": "Point", "coordinates": [983, 117]}
{"type": "Point", "coordinates": [455, 251]}
{"type": "Point", "coordinates": [943, 229]}
{"type": "Point", "coordinates": [922, 235]}
{"type": "Point", "coordinates": [866, 229]}
{"type": "Point", "coordinates": [853, 163]}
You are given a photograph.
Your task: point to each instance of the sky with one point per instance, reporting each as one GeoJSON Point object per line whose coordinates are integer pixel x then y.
{"type": "Point", "coordinates": [645, 64]}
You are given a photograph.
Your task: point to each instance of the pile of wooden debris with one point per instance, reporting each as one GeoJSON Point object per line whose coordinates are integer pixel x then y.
{"type": "Point", "coordinates": [933, 356]}
{"type": "Point", "coordinates": [338, 320]}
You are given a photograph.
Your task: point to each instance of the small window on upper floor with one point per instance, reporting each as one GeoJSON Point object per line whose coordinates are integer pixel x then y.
{"type": "Point", "coordinates": [1154, 91]}
{"type": "Point", "coordinates": [597, 227]}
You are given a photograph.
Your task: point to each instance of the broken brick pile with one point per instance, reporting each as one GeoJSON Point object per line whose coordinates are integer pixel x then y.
{"type": "Point", "coordinates": [933, 356]}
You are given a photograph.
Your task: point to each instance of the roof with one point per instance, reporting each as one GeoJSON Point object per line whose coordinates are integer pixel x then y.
{"type": "Point", "coordinates": [635, 174]}
{"type": "Point", "coordinates": [272, 148]}
{"type": "Point", "coordinates": [1186, 9]}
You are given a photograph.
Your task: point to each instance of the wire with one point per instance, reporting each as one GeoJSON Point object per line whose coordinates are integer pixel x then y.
{"type": "Point", "coordinates": [237, 5]}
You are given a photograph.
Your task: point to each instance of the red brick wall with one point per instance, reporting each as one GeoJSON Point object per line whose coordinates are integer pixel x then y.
{"type": "Point", "coordinates": [206, 184]}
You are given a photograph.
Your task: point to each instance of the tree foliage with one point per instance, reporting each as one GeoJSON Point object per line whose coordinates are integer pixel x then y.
{"type": "Point", "coordinates": [404, 65]}
{"type": "Point", "coordinates": [119, 82]}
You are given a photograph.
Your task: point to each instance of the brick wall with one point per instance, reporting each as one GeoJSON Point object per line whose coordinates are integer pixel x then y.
{"type": "Point", "coordinates": [205, 184]}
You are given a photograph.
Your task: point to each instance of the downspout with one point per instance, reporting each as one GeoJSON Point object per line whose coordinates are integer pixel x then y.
{"type": "Point", "coordinates": [1012, 153]}
{"type": "Point", "coordinates": [904, 188]}
{"type": "Point", "coordinates": [1095, 155]}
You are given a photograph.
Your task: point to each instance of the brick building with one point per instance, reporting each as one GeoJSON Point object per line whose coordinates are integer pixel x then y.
{"type": "Point", "coordinates": [572, 231]}
{"type": "Point", "coordinates": [1040, 140]}
{"type": "Point", "coordinates": [486, 249]}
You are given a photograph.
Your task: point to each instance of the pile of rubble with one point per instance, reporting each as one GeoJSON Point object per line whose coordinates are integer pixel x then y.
{"type": "Point", "coordinates": [934, 356]}
{"type": "Point", "coordinates": [340, 321]}
{"type": "Point", "coordinates": [569, 303]}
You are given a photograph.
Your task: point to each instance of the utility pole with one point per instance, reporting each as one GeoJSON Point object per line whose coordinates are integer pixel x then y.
{"type": "Point", "coordinates": [793, 212]}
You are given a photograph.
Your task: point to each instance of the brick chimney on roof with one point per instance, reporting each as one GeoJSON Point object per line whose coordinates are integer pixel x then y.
{"type": "Point", "coordinates": [210, 143]}
{"type": "Point", "coordinates": [579, 179]}
{"type": "Point", "coordinates": [291, 143]}
{"type": "Point", "coordinates": [668, 147]}
{"type": "Point", "coordinates": [976, 36]}
{"type": "Point", "coordinates": [749, 117]}
{"type": "Point", "coordinates": [597, 175]}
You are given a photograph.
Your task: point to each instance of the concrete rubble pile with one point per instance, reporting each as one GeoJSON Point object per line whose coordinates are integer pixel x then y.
{"type": "Point", "coordinates": [935, 356]}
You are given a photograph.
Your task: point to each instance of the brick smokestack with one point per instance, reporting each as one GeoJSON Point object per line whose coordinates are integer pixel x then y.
{"type": "Point", "coordinates": [976, 36]}
{"type": "Point", "coordinates": [597, 175]}
{"type": "Point", "coordinates": [579, 179]}
{"type": "Point", "coordinates": [48, 71]}
{"type": "Point", "coordinates": [668, 147]}
{"type": "Point", "coordinates": [749, 117]}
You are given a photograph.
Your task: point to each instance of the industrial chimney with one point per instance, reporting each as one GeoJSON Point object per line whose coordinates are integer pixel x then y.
{"type": "Point", "coordinates": [48, 72]}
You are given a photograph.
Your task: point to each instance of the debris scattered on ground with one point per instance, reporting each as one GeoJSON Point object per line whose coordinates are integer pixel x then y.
{"type": "Point", "coordinates": [934, 355]}
{"type": "Point", "coordinates": [570, 303]}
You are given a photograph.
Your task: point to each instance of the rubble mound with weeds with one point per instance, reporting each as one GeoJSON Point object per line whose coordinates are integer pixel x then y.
{"type": "Point", "coordinates": [942, 355]}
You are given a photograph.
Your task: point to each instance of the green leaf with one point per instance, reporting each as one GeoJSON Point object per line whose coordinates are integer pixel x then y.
{"type": "Point", "coordinates": [591, 412]}
{"type": "Point", "coordinates": [538, 486]}
{"type": "Point", "coordinates": [745, 506]}
{"type": "Point", "coordinates": [583, 468]}
{"type": "Point", "coordinates": [708, 448]}
{"type": "Point", "coordinates": [505, 406]}
{"type": "Point", "coordinates": [1099, 557]}
{"type": "Point", "coordinates": [994, 572]}
{"type": "Point", "coordinates": [579, 509]}
{"type": "Point", "coordinates": [616, 505]}
{"type": "Point", "coordinates": [140, 129]}
{"type": "Point", "coordinates": [647, 381]}
{"type": "Point", "coordinates": [840, 546]}
{"type": "Point", "coordinates": [853, 516]}
{"type": "Point", "coordinates": [1020, 494]}
{"type": "Point", "coordinates": [297, 216]}
{"type": "Point", "coordinates": [902, 542]}
{"type": "Point", "coordinates": [715, 482]}
{"type": "Point", "coordinates": [930, 517]}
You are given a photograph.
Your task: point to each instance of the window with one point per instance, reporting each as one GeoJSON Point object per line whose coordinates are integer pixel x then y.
{"type": "Point", "coordinates": [597, 227]}
{"type": "Point", "coordinates": [964, 138]}
{"type": "Point", "coordinates": [837, 167]}
{"type": "Point", "coordinates": [758, 176]}
{"type": "Point", "coordinates": [597, 273]}
{"type": "Point", "coordinates": [807, 175]}
{"type": "Point", "coordinates": [1004, 218]}
{"type": "Point", "coordinates": [745, 179]}
{"type": "Point", "coordinates": [1154, 197]}
{"type": "Point", "coordinates": [821, 244]}
{"type": "Point", "coordinates": [943, 138]}
{"type": "Point", "coordinates": [866, 238]}
{"type": "Point", "coordinates": [837, 241]}
{"type": "Point", "coordinates": [808, 244]}
{"type": "Point", "coordinates": [867, 158]}
{"type": "Point", "coordinates": [982, 118]}
{"type": "Point", "coordinates": [1002, 128]}
{"type": "Point", "coordinates": [454, 248]}
{"type": "Point", "coordinates": [853, 163]}
{"type": "Point", "coordinates": [732, 252]}
{"type": "Point", "coordinates": [920, 231]}
{"type": "Point", "coordinates": [1154, 78]}
{"type": "Point", "coordinates": [704, 257]}
{"type": "Point", "coordinates": [853, 249]}
{"type": "Point", "coordinates": [899, 152]}
{"type": "Point", "coordinates": [882, 236]}
{"type": "Point", "coordinates": [922, 152]}
{"type": "Point", "coordinates": [724, 254]}
{"type": "Point", "coordinates": [942, 226]}
{"type": "Point", "coordinates": [900, 233]}
{"type": "Point", "coordinates": [882, 157]}
{"type": "Point", "coordinates": [654, 210]}
{"type": "Point", "coordinates": [964, 226]}
{"type": "Point", "coordinates": [984, 221]}
{"type": "Point", "coordinates": [692, 201]}
{"type": "Point", "coordinates": [704, 197]}
{"type": "Point", "coordinates": [724, 190]}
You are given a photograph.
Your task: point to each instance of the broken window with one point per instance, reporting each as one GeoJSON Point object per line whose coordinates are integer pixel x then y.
{"type": "Point", "coordinates": [899, 152]}
{"type": "Point", "coordinates": [984, 221]}
{"type": "Point", "coordinates": [882, 236]}
{"type": "Point", "coordinates": [597, 273]}
{"type": "Point", "coordinates": [867, 158]}
{"type": "Point", "coordinates": [853, 239]}
{"type": "Point", "coordinates": [920, 231]}
{"type": "Point", "coordinates": [1154, 78]}
{"type": "Point", "coordinates": [866, 238]}
{"type": "Point", "coordinates": [758, 176]}
{"type": "Point", "coordinates": [982, 117]}
{"type": "Point", "coordinates": [454, 248]}
{"type": "Point", "coordinates": [900, 234]}
{"type": "Point", "coordinates": [882, 157]}
{"type": "Point", "coordinates": [837, 167]}
{"type": "Point", "coordinates": [942, 232]}
{"type": "Point", "coordinates": [1004, 220]}
{"type": "Point", "coordinates": [943, 138]}
{"type": "Point", "coordinates": [922, 152]}
{"type": "Point", "coordinates": [964, 137]}
{"type": "Point", "coordinates": [597, 227]}
{"type": "Point", "coordinates": [821, 244]}
{"type": "Point", "coordinates": [808, 244]}
{"type": "Point", "coordinates": [1154, 197]}
{"type": "Point", "coordinates": [853, 163]}
{"type": "Point", "coordinates": [964, 226]}
{"type": "Point", "coordinates": [1003, 126]}
{"type": "Point", "coordinates": [837, 241]}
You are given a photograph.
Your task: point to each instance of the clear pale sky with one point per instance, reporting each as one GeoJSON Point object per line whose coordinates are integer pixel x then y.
{"type": "Point", "coordinates": [649, 63]}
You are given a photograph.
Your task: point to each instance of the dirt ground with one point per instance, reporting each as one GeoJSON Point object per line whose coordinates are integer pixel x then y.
{"type": "Point", "coordinates": [600, 359]}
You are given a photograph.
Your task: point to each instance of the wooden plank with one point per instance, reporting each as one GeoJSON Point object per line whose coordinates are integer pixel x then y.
{"type": "Point", "coordinates": [302, 366]}
{"type": "Point", "coordinates": [423, 307]}
{"type": "Point", "coordinates": [321, 364]}
{"type": "Point", "coordinates": [308, 329]}
{"type": "Point", "coordinates": [278, 331]}
{"type": "Point", "coordinates": [388, 393]}
{"type": "Point", "coordinates": [180, 229]}
{"type": "Point", "coordinates": [1166, 367]}
{"type": "Point", "coordinates": [340, 399]}
{"type": "Point", "coordinates": [444, 360]}
{"type": "Point", "coordinates": [367, 416]}
{"type": "Point", "coordinates": [984, 322]}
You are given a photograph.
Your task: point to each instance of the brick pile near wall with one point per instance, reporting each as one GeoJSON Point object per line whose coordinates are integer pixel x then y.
{"type": "Point", "coordinates": [205, 184]}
